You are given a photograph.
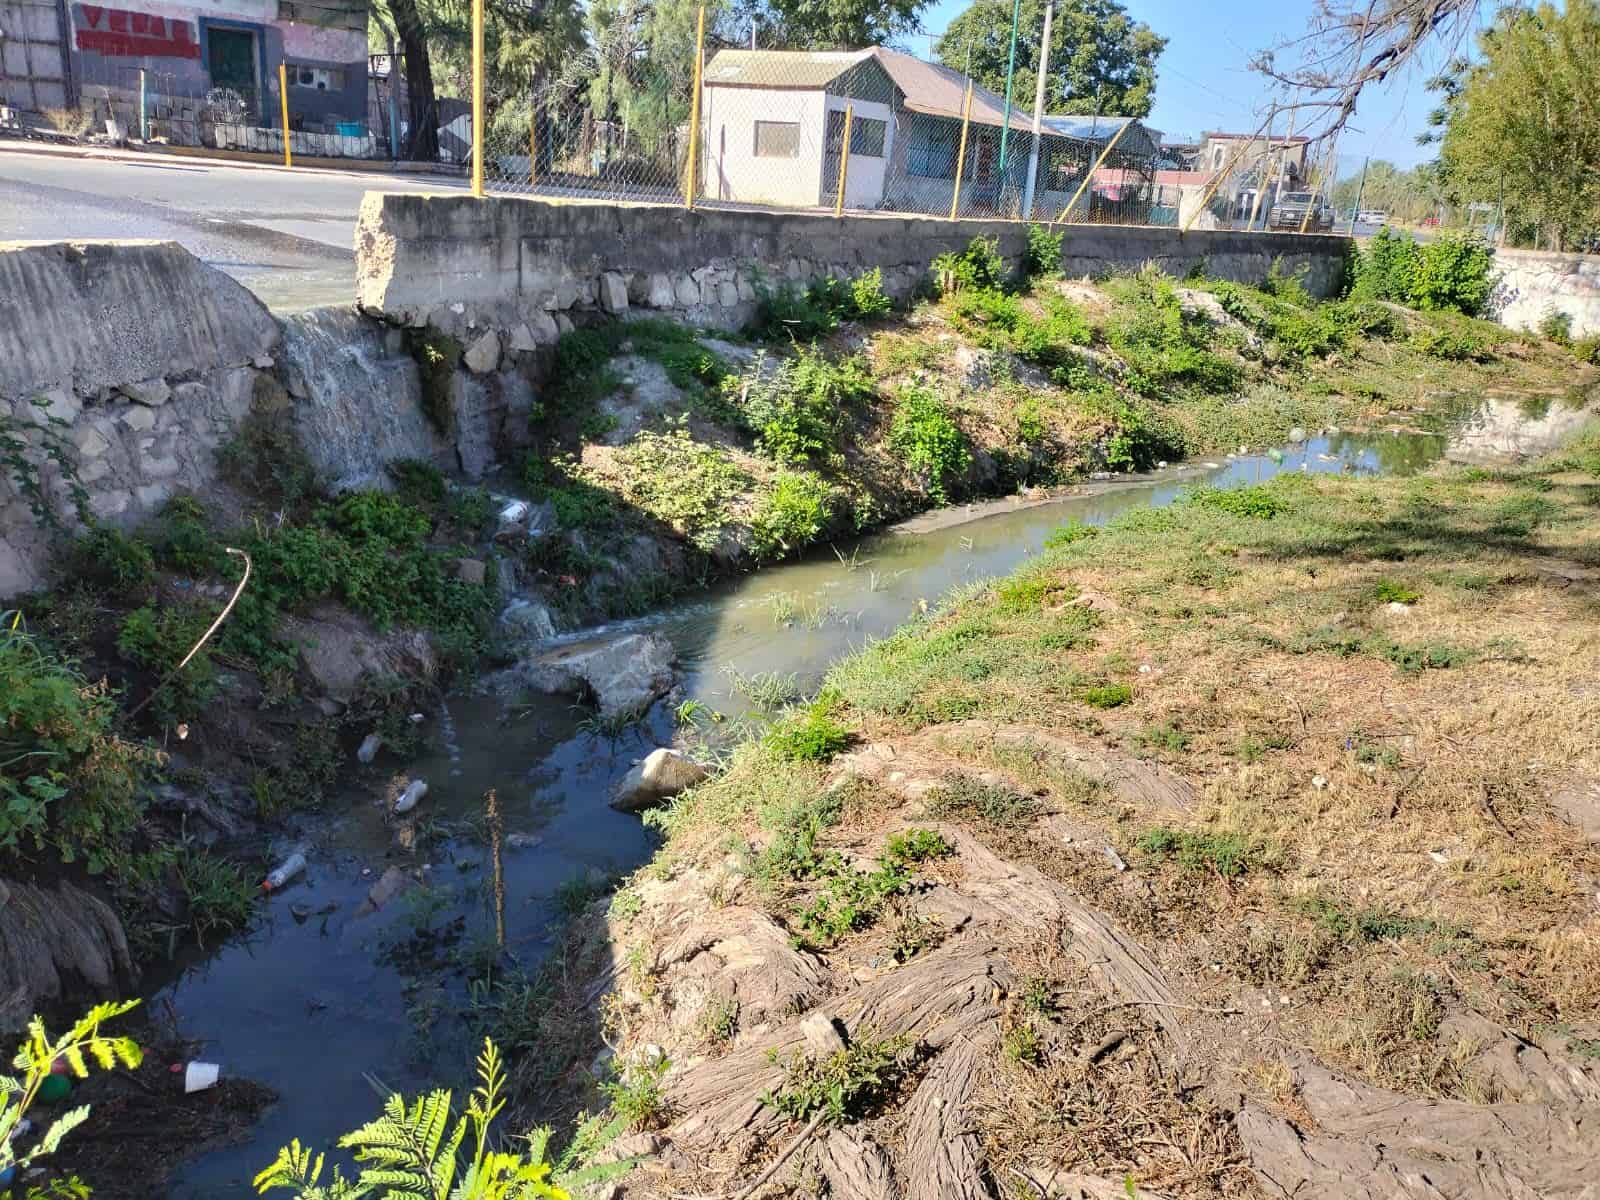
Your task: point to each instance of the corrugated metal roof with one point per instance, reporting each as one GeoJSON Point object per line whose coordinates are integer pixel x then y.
{"type": "Point", "coordinates": [1086, 128]}
{"type": "Point", "coordinates": [940, 91]}
{"type": "Point", "coordinates": [807, 69]}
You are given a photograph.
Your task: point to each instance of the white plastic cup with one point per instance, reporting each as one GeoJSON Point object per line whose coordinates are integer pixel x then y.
{"type": "Point", "coordinates": [198, 1076]}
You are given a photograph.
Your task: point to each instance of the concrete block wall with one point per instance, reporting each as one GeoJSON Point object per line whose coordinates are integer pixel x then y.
{"type": "Point", "coordinates": [526, 268]}
{"type": "Point", "coordinates": [1535, 283]}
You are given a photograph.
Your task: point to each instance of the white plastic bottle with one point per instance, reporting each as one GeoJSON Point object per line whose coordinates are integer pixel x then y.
{"type": "Point", "coordinates": [285, 871]}
{"type": "Point", "coordinates": [415, 791]}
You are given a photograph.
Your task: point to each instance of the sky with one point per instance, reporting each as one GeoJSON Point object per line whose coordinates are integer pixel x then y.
{"type": "Point", "coordinates": [1203, 80]}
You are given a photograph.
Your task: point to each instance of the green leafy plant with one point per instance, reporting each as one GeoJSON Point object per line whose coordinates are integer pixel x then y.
{"type": "Point", "coordinates": [797, 408]}
{"type": "Point", "coordinates": [845, 1086]}
{"type": "Point", "coordinates": [811, 736]}
{"type": "Point", "coordinates": [978, 266]}
{"type": "Point", "coordinates": [1255, 501]}
{"type": "Point", "coordinates": [22, 440]}
{"type": "Point", "coordinates": [923, 432]}
{"type": "Point", "coordinates": [1225, 853]}
{"type": "Point", "coordinates": [1107, 695]}
{"type": "Point", "coordinates": [415, 1150]}
{"type": "Point", "coordinates": [796, 511]}
{"type": "Point", "coordinates": [867, 298]}
{"type": "Point", "coordinates": [36, 1059]}
{"type": "Point", "coordinates": [1452, 345]}
{"type": "Point", "coordinates": [1452, 272]}
{"type": "Point", "coordinates": [636, 1097]}
{"type": "Point", "coordinates": [1387, 591]}
{"type": "Point", "coordinates": [1557, 326]}
{"type": "Point", "coordinates": [1044, 252]}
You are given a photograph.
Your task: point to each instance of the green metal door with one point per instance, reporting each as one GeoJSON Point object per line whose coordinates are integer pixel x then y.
{"type": "Point", "coordinates": [233, 62]}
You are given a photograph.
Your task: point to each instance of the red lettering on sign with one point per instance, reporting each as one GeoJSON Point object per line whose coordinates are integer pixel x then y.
{"type": "Point", "coordinates": [135, 35]}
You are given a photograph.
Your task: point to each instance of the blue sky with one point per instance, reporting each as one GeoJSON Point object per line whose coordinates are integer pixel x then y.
{"type": "Point", "coordinates": [1203, 81]}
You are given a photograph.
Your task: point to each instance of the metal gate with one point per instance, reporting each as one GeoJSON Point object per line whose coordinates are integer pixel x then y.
{"type": "Point", "coordinates": [34, 75]}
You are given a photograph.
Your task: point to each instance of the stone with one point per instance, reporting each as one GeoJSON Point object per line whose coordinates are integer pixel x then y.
{"type": "Point", "coordinates": [110, 504]}
{"type": "Point", "coordinates": [161, 467]}
{"type": "Point", "coordinates": [471, 571]}
{"type": "Point", "coordinates": [686, 291]}
{"type": "Point", "coordinates": [625, 675]}
{"type": "Point", "coordinates": [545, 329]}
{"type": "Point", "coordinates": [822, 1036]}
{"type": "Point", "coordinates": [338, 648]}
{"type": "Point", "coordinates": [58, 404]}
{"type": "Point", "coordinates": [56, 939]}
{"type": "Point", "coordinates": [153, 495]}
{"type": "Point", "coordinates": [613, 292]}
{"type": "Point", "coordinates": [521, 339]}
{"type": "Point", "coordinates": [93, 471]}
{"type": "Point", "coordinates": [660, 775]}
{"type": "Point", "coordinates": [529, 620]}
{"type": "Point", "coordinates": [661, 294]}
{"type": "Point", "coordinates": [564, 324]}
{"type": "Point", "coordinates": [262, 362]}
{"type": "Point", "coordinates": [483, 355]}
{"type": "Point", "coordinates": [727, 294]}
{"type": "Point", "coordinates": [393, 882]}
{"type": "Point", "coordinates": [91, 443]}
{"type": "Point", "coordinates": [746, 289]}
{"type": "Point", "coordinates": [151, 392]}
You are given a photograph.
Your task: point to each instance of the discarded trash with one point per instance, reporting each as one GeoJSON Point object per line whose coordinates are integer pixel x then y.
{"type": "Point", "coordinates": [1396, 606]}
{"type": "Point", "coordinates": [515, 513]}
{"type": "Point", "coordinates": [522, 841]}
{"type": "Point", "coordinates": [1439, 856]}
{"type": "Point", "coordinates": [1319, 782]}
{"type": "Point", "coordinates": [286, 870]}
{"type": "Point", "coordinates": [1144, 668]}
{"type": "Point", "coordinates": [1275, 455]}
{"type": "Point", "coordinates": [198, 1076]}
{"type": "Point", "coordinates": [53, 1089]}
{"type": "Point", "coordinates": [415, 791]}
{"type": "Point", "coordinates": [1115, 859]}
{"type": "Point", "coordinates": [1297, 435]}
{"type": "Point", "coordinates": [369, 747]}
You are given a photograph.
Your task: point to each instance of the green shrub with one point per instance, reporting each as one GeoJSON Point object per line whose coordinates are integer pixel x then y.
{"type": "Point", "coordinates": [1065, 535]}
{"type": "Point", "coordinates": [66, 778]}
{"type": "Point", "coordinates": [995, 804]}
{"type": "Point", "coordinates": [1557, 326]}
{"type": "Point", "coordinates": [798, 408]}
{"type": "Point", "coordinates": [1137, 437]}
{"type": "Point", "coordinates": [787, 314]}
{"type": "Point", "coordinates": [1448, 344]}
{"type": "Point", "coordinates": [793, 514]}
{"type": "Point", "coordinates": [265, 458]}
{"type": "Point", "coordinates": [1388, 591]}
{"type": "Point", "coordinates": [110, 557]}
{"type": "Point", "coordinates": [811, 736]}
{"type": "Point", "coordinates": [928, 439]}
{"type": "Point", "coordinates": [978, 266]}
{"type": "Point", "coordinates": [1225, 853]}
{"type": "Point", "coordinates": [1162, 345]}
{"type": "Point", "coordinates": [1107, 695]}
{"type": "Point", "coordinates": [1453, 272]}
{"type": "Point", "coordinates": [681, 482]}
{"type": "Point", "coordinates": [1364, 318]}
{"type": "Point", "coordinates": [867, 298]}
{"type": "Point", "coordinates": [1254, 501]}
{"type": "Point", "coordinates": [845, 1086]}
{"type": "Point", "coordinates": [184, 541]}
{"type": "Point", "coordinates": [158, 640]}
{"type": "Point", "coordinates": [1044, 252]}
{"type": "Point", "coordinates": [1386, 267]}
{"type": "Point", "coordinates": [437, 356]}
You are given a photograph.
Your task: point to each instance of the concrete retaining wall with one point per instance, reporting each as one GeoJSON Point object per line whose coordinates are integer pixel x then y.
{"type": "Point", "coordinates": [525, 268]}
{"type": "Point", "coordinates": [1535, 283]}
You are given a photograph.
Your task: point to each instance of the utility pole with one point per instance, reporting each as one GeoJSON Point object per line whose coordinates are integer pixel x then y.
{"type": "Point", "coordinates": [1038, 116]}
{"type": "Point", "coordinates": [1011, 70]}
{"type": "Point", "coordinates": [1360, 190]}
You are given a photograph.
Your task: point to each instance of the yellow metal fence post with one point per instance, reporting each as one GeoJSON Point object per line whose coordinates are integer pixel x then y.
{"type": "Point", "coordinates": [479, 140]}
{"type": "Point", "coordinates": [961, 154]}
{"type": "Point", "coordinates": [1089, 178]}
{"type": "Point", "coordinates": [283, 99]}
{"type": "Point", "coordinates": [844, 159]}
{"type": "Point", "coordinates": [691, 173]}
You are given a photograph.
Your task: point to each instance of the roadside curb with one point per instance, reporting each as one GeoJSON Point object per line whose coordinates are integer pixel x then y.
{"type": "Point", "coordinates": [425, 172]}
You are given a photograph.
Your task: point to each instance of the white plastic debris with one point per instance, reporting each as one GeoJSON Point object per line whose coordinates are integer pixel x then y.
{"type": "Point", "coordinates": [198, 1076]}
{"type": "Point", "coordinates": [1115, 859]}
{"type": "Point", "coordinates": [414, 792]}
{"type": "Point", "coordinates": [1439, 856]}
{"type": "Point", "coordinates": [1319, 782]}
{"type": "Point", "coordinates": [368, 750]}
{"type": "Point", "coordinates": [1144, 668]}
{"type": "Point", "coordinates": [285, 871]}
{"type": "Point", "coordinates": [1396, 606]}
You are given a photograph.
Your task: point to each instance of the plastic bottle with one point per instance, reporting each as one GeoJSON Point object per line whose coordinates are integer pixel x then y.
{"type": "Point", "coordinates": [415, 791]}
{"type": "Point", "coordinates": [370, 745]}
{"type": "Point", "coordinates": [286, 870]}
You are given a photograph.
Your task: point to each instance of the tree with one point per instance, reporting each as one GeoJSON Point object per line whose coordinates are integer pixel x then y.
{"type": "Point", "coordinates": [1524, 122]}
{"type": "Point", "coordinates": [1101, 60]}
{"type": "Point", "coordinates": [1404, 195]}
{"type": "Point", "coordinates": [824, 24]}
{"type": "Point", "coordinates": [644, 77]}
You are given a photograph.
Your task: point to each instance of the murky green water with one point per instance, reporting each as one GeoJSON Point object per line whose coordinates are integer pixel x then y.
{"type": "Point", "coordinates": [319, 1007]}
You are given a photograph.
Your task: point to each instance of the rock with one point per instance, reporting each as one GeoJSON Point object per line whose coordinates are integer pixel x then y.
{"type": "Point", "coordinates": [613, 292]}
{"type": "Point", "coordinates": [338, 648]}
{"type": "Point", "coordinates": [529, 620]}
{"type": "Point", "coordinates": [687, 291]}
{"type": "Point", "coordinates": [138, 418]}
{"type": "Point", "coordinates": [625, 675]}
{"type": "Point", "coordinates": [91, 443]}
{"type": "Point", "coordinates": [661, 294]}
{"type": "Point", "coordinates": [56, 940]}
{"type": "Point", "coordinates": [483, 355]}
{"type": "Point", "coordinates": [822, 1035]}
{"type": "Point", "coordinates": [727, 294]}
{"type": "Point", "coordinates": [661, 775]}
{"type": "Point", "coordinates": [150, 392]}
{"type": "Point", "coordinates": [471, 571]}
{"type": "Point", "coordinates": [522, 340]}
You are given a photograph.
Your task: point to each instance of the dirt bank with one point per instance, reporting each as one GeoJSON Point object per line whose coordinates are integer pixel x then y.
{"type": "Point", "coordinates": [1238, 849]}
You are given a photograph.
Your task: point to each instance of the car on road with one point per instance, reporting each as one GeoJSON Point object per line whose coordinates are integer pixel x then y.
{"type": "Point", "coordinates": [1371, 216]}
{"type": "Point", "coordinates": [1290, 212]}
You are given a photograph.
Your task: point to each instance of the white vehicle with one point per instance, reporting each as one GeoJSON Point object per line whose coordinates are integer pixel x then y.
{"type": "Point", "coordinates": [1371, 216]}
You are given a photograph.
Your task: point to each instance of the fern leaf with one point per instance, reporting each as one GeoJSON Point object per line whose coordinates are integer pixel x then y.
{"type": "Point", "coordinates": [59, 1128]}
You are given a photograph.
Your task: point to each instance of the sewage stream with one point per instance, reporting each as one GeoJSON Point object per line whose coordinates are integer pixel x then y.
{"type": "Point", "coordinates": [326, 1004]}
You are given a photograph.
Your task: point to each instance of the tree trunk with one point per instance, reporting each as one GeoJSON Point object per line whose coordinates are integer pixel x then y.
{"type": "Point", "coordinates": [421, 108]}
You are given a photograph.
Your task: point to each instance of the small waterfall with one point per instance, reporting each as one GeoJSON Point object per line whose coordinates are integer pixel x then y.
{"type": "Point", "coordinates": [358, 397]}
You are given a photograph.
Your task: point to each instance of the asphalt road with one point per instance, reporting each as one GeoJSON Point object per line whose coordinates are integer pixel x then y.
{"type": "Point", "coordinates": [287, 235]}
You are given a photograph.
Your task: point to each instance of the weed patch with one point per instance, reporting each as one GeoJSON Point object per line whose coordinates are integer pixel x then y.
{"type": "Point", "coordinates": [1227, 854]}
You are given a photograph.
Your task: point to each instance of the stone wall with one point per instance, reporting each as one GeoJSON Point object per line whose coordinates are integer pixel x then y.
{"type": "Point", "coordinates": [523, 270]}
{"type": "Point", "coordinates": [1535, 283]}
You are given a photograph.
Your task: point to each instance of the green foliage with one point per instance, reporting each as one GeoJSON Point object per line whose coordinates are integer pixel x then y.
{"type": "Point", "coordinates": [437, 355]}
{"type": "Point", "coordinates": [798, 408]}
{"type": "Point", "coordinates": [1162, 345]}
{"type": "Point", "coordinates": [22, 441]}
{"type": "Point", "coordinates": [1254, 501]}
{"type": "Point", "coordinates": [978, 266]}
{"type": "Point", "coordinates": [846, 1086]}
{"type": "Point", "coordinates": [867, 297]}
{"type": "Point", "coordinates": [1557, 326]}
{"type": "Point", "coordinates": [415, 1149]}
{"type": "Point", "coordinates": [1107, 695]}
{"type": "Point", "coordinates": [1451, 345]}
{"type": "Point", "coordinates": [786, 314]}
{"type": "Point", "coordinates": [916, 846]}
{"type": "Point", "coordinates": [1454, 272]}
{"type": "Point", "coordinates": [578, 502]}
{"type": "Point", "coordinates": [795, 512]}
{"type": "Point", "coordinates": [583, 375]}
{"type": "Point", "coordinates": [1225, 853]}
{"type": "Point", "coordinates": [66, 778]}
{"type": "Point", "coordinates": [1066, 535]}
{"type": "Point", "coordinates": [183, 538]}
{"type": "Point", "coordinates": [969, 796]}
{"type": "Point", "coordinates": [928, 439]}
{"type": "Point", "coordinates": [115, 559]}
{"type": "Point", "coordinates": [265, 458]}
{"type": "Point", "coordinates": [677, 480]}
{"type": "Point", "coordinates": [636, 1098]}
{"type": "Point", "coordinates": [1000, 321]}
{"type": "Point", "coordinates": [1044, 252]}
{"type": "Point", "coordinates": [811, 736]}
{"type": "Point", "coordinates": [1388, 591]}
{"type": "Point", "coordinates": [36, 1058]}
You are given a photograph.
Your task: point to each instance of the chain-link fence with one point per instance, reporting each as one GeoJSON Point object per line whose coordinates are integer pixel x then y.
{"type": "Point", "coordinates": [822, 131]}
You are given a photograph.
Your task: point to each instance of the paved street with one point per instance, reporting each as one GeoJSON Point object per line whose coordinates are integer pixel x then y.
{"type": "Point", "coordinates": [285, 234]}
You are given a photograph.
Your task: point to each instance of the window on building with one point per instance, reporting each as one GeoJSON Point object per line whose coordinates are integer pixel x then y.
{"type": "Point", "coordinates": [867, 135]}
{"type": "Point", "coordinates": [777, 139]}
{"type": "Point", "coordinates": [321, 79]}
{"type": "Point", "coordinates": [1217, 155]}
{"type": "Point", "coordinates": [930, 153]}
